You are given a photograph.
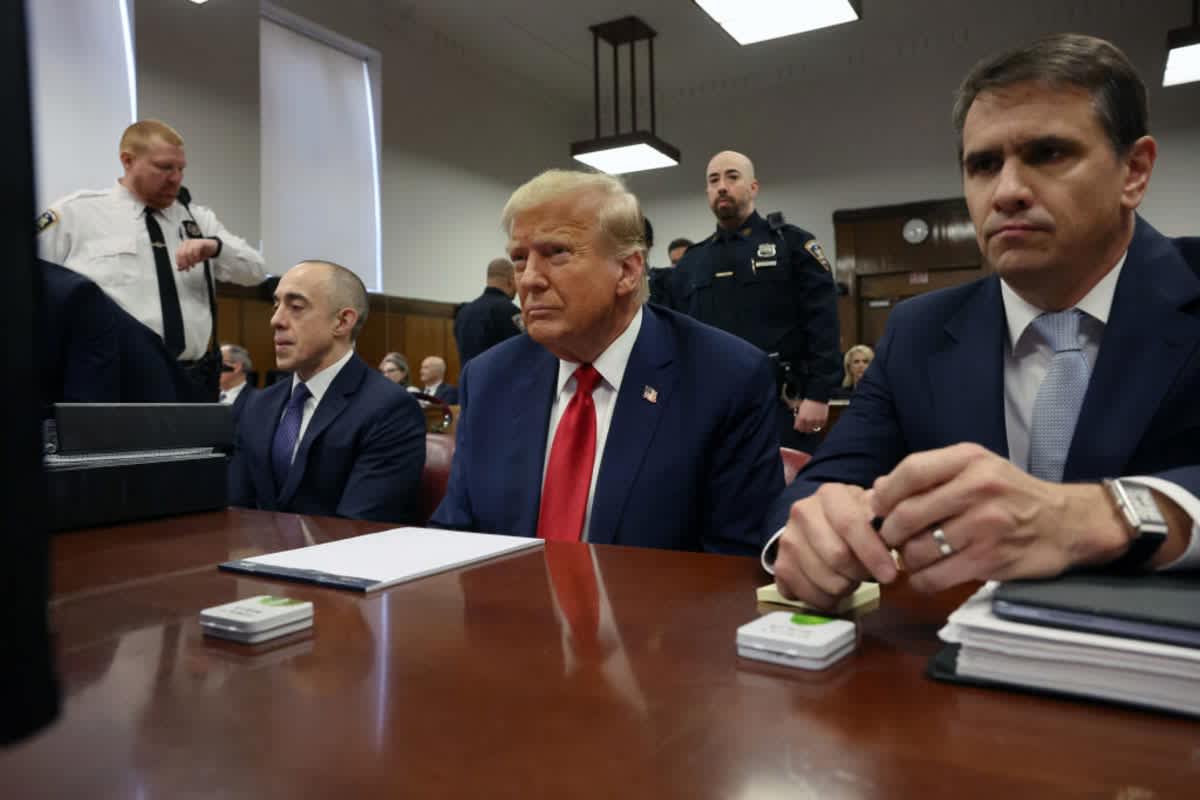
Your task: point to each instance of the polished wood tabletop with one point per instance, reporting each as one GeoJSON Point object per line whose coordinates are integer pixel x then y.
{"type": "Point", "coordinates": [575, 671]}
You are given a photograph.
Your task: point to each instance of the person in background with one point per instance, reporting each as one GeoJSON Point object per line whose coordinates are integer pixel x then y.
{"type": "Point", "coordinates": [490, 318]}
{"type": "Point", "coordinates": [771, 284]}
{"type": "Point", "coordinates": [677, 248]}
{"type": "Point", "coordinates": [142, 243]}
{"type": "Point", "coordinates": [235, 388]}
{"type": "Point", "coordinates": [855, 362]}
{"type": "Point", "coordinates": [336, 438]}
{"type": "Point", "coordinates": [433, 372]}
{"type": "Point", "coordinates": [394, 367]}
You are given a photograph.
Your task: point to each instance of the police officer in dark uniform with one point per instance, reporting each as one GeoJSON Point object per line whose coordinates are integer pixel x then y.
{"type": "Point", "coordinates": [490, 318]}
{"type": "Point", "coordinates": [769, 283]}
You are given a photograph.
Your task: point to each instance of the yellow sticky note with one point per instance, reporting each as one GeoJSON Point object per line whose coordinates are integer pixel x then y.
{"type": "Point", "coordinates": [865, 593]}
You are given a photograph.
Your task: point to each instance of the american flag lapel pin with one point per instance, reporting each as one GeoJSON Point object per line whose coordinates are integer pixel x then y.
{"type": "Point", "coordinates": [650, 394]}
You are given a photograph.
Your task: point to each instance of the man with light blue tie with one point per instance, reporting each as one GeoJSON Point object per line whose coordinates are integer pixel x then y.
{"type": "Point", "coordinates": [338, 438]}
{"type": "Point", "coordinates": [1045, 417]}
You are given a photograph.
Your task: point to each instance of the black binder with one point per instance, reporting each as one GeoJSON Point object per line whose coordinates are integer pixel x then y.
{"type": "Point", "coordinates": [115, 427]}
{"type": "Point", "coordinates": [111, 463]}
{"type": "Point", "coordinates": [1157, 607]}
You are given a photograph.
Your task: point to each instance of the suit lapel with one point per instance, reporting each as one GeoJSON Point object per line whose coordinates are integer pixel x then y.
{"type": "Point", "coordinates": [966, 375]}
{"type": "Point", "coordinates": [535, 387]}
{"type": "Point", "coordinates": [336, 398]}
{"type": "Point", "coordinates": [1145, 344]}
{"type": "Point", "coordinates": [634, 421]}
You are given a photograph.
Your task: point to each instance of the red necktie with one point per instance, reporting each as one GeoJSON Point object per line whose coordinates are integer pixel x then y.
{"type": "Point", "coordinates": [569, 473]}
{"type": "Point", "coordinates": [574, 580]}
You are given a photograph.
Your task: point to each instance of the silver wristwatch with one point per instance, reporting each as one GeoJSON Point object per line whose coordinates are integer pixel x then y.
{"type": "Point", "coordinates": [1141, 512]}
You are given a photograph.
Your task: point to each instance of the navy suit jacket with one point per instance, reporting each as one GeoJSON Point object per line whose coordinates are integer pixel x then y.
{"type": "Point", "coordinates": [239, 405]}
{"type": "Point", "coordinates": [93, 351]}
{"type": "Point", "coordinates": [447, 393]}
{"type": "Point", "coordinates": [938, 379]}
{"type": "Point", "coordinates": [360, 457]}
{"type": "Point", "coordinates": [692, 470]}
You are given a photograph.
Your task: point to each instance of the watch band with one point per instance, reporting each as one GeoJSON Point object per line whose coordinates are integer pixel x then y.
{"type": "Point", "coordinates": [1148, 538]}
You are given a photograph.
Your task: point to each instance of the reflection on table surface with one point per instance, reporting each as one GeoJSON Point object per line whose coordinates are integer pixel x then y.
{"type": "Point", "coordinates": [573, 671]}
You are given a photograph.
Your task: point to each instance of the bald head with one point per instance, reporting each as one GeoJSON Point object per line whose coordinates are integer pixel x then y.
{"type": "Point", "coordinates": [500, 276]}
{"type": "Point", "coordinates": [731, 188]}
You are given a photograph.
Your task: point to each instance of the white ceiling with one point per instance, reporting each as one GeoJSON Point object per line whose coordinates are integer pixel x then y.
{"type": "Point", "coordinates": [546, 44]}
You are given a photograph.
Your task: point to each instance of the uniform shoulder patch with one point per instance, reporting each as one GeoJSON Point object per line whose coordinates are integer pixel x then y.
{"type": "Point", "coordinates": [45, 221]}
{"type": "Point", "coordinates": [814, 249]}
{"type": "Point", "coordinates": [519, 321]}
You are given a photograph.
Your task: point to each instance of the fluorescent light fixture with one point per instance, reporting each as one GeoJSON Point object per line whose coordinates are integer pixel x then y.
{"type": "Point", "coordinates": [1183, 56]}
{"type": "Point", "coordinates": [375, 173]}
{"type": "Point", "coordinates": [627, 152]}
{"type": "Point", "coordinates": [750, 21]}
{"type": "Point", "coordinates": [130, 68]}
{"type": "Point", "coordinates": [199, 2]}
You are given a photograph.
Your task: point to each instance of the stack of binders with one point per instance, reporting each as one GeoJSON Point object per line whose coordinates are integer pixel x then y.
{"type": "Point", "coordinates": [108, 463]}
{"type": "Point", "coordinates": [1132, 639]}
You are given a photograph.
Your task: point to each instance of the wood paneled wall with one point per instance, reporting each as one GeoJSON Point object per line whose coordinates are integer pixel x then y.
{"type": "Point", "coordinates": [416, 328]}
{"type": "Point", "coordinates": [880, 268]}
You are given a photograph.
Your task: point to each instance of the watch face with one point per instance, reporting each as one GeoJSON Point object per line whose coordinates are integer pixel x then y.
{"type": "Point", "coordinates": [915, 231]}
{"type": "Point", "coordinates": [1142, 500]}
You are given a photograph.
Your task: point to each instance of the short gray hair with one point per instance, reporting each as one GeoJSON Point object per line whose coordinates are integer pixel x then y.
{"type": "Point", "coordinates": [619, 217]}
{"type": "Point", "coordinates": [1067, 59]}
{"type": "Point", "coordinates": [239, 354]}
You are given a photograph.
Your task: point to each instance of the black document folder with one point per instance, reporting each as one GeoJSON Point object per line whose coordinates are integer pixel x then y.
{"type": "Point", "coordinates": [1156, 607]}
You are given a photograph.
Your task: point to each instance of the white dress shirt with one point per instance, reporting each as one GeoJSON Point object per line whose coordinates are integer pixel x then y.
{"type": "Point", "coordinates": [317, 385]}
{"type": "Point", "coordinates": [611, 366]}
{"type": "Point", "coordinates": [230, 397]}
{"type": "Point", "coordinates": [1027, 358]}
{"type": "Point", "coordinates": [102, 235]}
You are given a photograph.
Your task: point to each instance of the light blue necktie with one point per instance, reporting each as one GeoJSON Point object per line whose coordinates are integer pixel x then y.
{"type": "Point", "coordinates": [1060, 396]}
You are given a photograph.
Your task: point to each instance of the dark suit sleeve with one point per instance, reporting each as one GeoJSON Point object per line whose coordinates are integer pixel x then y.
{"type": "Point", "coordinates": [866, 442]}
{"type": "Point", "coordinates": [813, 347]}
{"type": "Point", "coordinates": [502, 322]}
{"type": "Point", "coordinates": [92, 368]}
{"type": "Point", "coordinates": [455, 509]}
{"type": "Point", "coordinates": [241, 483]}
{"type": "Point", "coordinates": [746, 473]}
{"type": "Point", "coordinates": [385, 482]}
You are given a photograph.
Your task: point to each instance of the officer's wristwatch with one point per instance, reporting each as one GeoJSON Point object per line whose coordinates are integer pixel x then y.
{"type": "Point", "coordinates": [1140, 511]}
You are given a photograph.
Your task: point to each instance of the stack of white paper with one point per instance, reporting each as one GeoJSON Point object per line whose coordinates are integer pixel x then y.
{"type": "Point", "coordinates": [376, 561]}
{"type": "Point", "coordinates": [1087, 664]}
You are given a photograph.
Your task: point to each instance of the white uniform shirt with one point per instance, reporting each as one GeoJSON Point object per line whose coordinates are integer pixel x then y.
{"type": "Point", "coordinates": [102, 235]}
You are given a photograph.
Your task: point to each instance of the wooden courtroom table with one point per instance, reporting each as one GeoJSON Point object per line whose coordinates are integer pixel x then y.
{"type": "Point", "coordinates": [470, 684]}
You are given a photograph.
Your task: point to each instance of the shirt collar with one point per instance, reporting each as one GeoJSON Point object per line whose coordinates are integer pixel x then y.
{"type": "Point", "coordinates": [612, 362]}
{"type": "Point", "coordinates": [232, 394]}
{"type": "Point", "coordinates": [751, 223]}
{"type": "Point", "coordinates": [137, 207]}
{"type": "Point", "coordinates": [1097, 303]}
{"type": "Point", "coordinates": [319, 384]}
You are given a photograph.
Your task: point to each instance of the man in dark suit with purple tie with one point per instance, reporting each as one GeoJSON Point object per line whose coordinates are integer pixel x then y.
{"type": "Point", "coordinates": [338, 438]}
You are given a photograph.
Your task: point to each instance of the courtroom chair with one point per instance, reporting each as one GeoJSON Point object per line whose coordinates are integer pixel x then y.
{"type": "Point", "coordinates": [252, 377]}
{"type": "Point", "coordinates": [276, 375]}
{"type": "Point", "coordinates": [793, 462]}
{"type": "Point", "coordinates": [439, 452]}
{"type": "Point", "coordinates": [438, 416]}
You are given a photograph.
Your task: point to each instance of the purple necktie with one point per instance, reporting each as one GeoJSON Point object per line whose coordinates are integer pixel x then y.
{"type": "Point", "coordinates": [287, 433]}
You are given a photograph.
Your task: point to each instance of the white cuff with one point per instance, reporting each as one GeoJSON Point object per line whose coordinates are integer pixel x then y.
{"type": "Point", "coordinates": [1191, 506]}
{"type": "Point", "coordinates": [768, 553]}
